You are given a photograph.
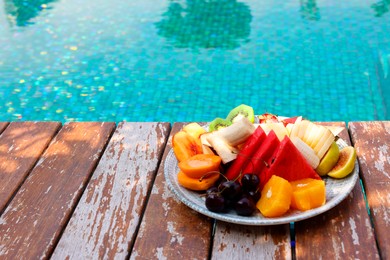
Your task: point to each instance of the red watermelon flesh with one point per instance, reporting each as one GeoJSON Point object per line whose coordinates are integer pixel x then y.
{"type": "Point", "coordinates": [262, 157]}
{"type": "Point", "coordinates": [251, 145]}
{"type": "Point", "coordinates": [289, 164]}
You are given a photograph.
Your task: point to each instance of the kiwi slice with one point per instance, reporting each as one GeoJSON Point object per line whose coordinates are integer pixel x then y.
{"type": "Point", "coordinates": [218, 123]}
{"type": "Point", "coordinates": [241, 111]}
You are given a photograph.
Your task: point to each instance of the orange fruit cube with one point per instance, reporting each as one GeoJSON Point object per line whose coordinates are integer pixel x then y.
{"type": "Point", "coordinates": [275, 197]}
{"type": "Point", "coordinates": [308, 194]}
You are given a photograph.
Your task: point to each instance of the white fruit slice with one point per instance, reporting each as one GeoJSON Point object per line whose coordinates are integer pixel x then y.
{"type": "Point", "coordinates": [324, 143]}
{"type": "Point", "coordinates": [299, 119]}
{"type": "Point", "coordinates": [325, 147]}
{"type": "Point", "coordinates": [316, 136]}
{"type": "Point", "coordinates": [310, 134]}
{"type": "Point", "coordinates": [295, 129]}
{"type": "Point", "coordinates": [303, 126]}
{"type": "Point", "coordinates": [223, 149]}
{"type": "Point", "coordinates": [238, 132]}
{"type": "Point", "coordinates": [306, 151]}
{"type": "Point", "coordinates": [206, 146]}
{"type": "Point", "coordinates": [279, 129]}
{"type": "Point", "coordinates": [289, 128]}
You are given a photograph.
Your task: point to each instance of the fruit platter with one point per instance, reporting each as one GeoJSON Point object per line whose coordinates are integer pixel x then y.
{"type": "Point", "coordinates": [260, 169]}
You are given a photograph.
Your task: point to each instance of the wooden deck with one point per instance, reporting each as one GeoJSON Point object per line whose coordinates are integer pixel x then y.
{"type": "Point", "coordinates": [96, 190]}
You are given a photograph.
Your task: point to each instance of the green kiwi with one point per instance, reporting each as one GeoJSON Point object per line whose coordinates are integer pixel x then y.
{"type": "Point", "coordinates": [218, 123]}
{"type": "Point", "coordinates": [241, 110]}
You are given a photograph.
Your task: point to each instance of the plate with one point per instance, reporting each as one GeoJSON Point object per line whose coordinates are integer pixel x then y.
{"type": "Point", "coordinates": [336, 191]}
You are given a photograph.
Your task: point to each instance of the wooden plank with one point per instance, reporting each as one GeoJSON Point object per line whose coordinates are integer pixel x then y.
{"type": "Point", "coordinates": [105, 221]}
{"type": "Point", "coordinates": [33, 221]}
{"type": "Point", "coordinates": [3, 125]}
{"type": "Point", "coordinates": [344, 231]}
{"type": "Point", "coordinates": [251, 242]}
{"type": "Point", "coordinates": [21, 144]}
{"type": "Point", "coordinates": [372, 143]}
{"type": "Point", "coordinates": [169, 229]}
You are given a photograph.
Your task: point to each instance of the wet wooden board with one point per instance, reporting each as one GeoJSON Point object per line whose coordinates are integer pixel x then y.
{"type": "Point", "coordinates": [21, 144]}
{"type": "Point", "coordinates": [372, 143]}
{"type": "Point", "coordinates": [107, 217]}
{"type": "Point", "coordinates": [169, 229]}
{"type": "Point", "coordinates": [344, 231]}
{"type": "Point", "coordinates": [32, 222]}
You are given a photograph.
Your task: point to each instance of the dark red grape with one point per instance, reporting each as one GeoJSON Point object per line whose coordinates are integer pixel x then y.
{"type": "Point", "coordinates": [212, 189]}
{"type": "Point", "coordinates": [254, 194]}
{"type": "Point", "coordinates": [250, 182]}
{"type": "Point", "coordinates": [245, 206]}
{"type": "Point", "coordinates": [230, 190]}
{"type": "Point", "coordinates": [215, 202]}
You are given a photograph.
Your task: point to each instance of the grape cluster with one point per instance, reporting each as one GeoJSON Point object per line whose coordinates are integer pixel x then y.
{"type": "Point", "coordinates": [230, 194]}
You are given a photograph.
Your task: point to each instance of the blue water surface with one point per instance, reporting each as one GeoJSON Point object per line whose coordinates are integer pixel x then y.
{"type": "Point", "coordinates": [193, 60]}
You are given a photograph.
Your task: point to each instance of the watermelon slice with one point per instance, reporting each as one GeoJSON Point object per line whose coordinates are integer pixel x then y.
{"type": "Point", "coordinates": [288, 163]}
{"type": "Point", "coordinates": [251, 145]}
{"type": "Point", "coordinates": [261, 158]}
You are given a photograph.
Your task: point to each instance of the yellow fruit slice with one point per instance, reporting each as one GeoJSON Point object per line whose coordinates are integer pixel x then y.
{"type": "Point", "coordinates": [345, 164]}
{"type": "Point", "coordinates": [195, 130]}
{"type": "Point", "coordinates": [275, 197]}
{"type": "Point", "coordinates": [308, 194]}
{"type": "Point", "coordinates": [329, 160]}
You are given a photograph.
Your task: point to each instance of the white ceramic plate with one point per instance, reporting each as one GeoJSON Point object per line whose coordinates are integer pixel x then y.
{"type": "Point", "coordinates": [336, 191]}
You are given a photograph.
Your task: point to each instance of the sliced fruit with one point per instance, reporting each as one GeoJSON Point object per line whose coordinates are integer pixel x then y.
{"type": "Point", "coordinates": [218, 123]}
{"type": "Point", "coordinates": [324, 143]}
{"type": "Point", "coordinates": [306, 151]}
{"type": "Point", "coordinates": [279, 129]}
{"type": "Point", "coordinates": [308, 194]}
{"type": "Point", "coordinates": [345, 163]}
{"type": "Point", "coordinates": [246, 153]}
{"type": "Point", "coordinates": [317, 137]}
{"type": "Point", "coordinates": [197, 184]}
{"type": "Point", "coordinates": [238, 132]}
{"type": "Point", "coordinates": [329, 160]}
{"type": "Point", "coordinates": [206, 146]}
{"type": "Point", "coordinates": [263, 155]}
{"type": "Point", "coordinates": [291, 120]}
{"type": "Point", "coordinates": [195, 130]}
{"type": "Point", "coordinates": [312, 135]}
{"type": "Point", "coordinates": [227, 152]}
{"type": "Point", "coordinates": [241, 111]}
{"type": "Point", "coordinates": [199, 165]}
{"type": "Point", "coordinates": [303, 128]}
{"type": "Point", "coordinates": [289, 128]}
{"type": "Point", "coordinates": [268, 118]}
{"type": "Point", "coordinates": [184, 146]}
{"type": "Point", "coordinates": [288, 163]}
{"type": "Point", "coordinates": [275, 197]}
{"type": "Point", "coordinates": [295, 129]}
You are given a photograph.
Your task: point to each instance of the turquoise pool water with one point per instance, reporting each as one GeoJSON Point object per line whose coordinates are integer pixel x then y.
{"type": "Point", "coordinates": [160, 60]}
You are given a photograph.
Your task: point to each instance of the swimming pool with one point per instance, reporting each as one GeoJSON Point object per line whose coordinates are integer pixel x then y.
{"type": "Point", "coordinates": [193, 60]}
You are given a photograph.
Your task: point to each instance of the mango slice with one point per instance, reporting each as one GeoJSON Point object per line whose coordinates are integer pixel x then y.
{"type": "Point", "coordinates": [275, 197]}
{"type": "Point", "coordinates": [307, 194]}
